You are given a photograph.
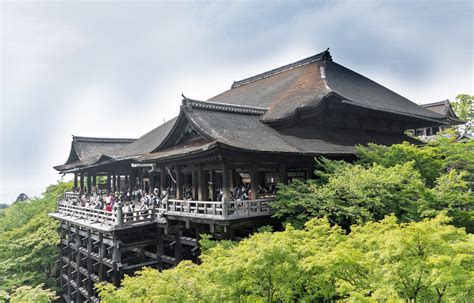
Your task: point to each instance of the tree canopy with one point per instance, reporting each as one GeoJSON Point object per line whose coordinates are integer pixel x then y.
{"type": "Point", "coordinates": [384, 261]}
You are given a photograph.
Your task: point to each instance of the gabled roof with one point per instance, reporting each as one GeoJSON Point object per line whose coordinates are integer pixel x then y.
{"type": "Point", "coordinates": [89, 150]}
{"type": "Point", "coordinates": [305, 83]}
{"type": "Point", "coordinates": [229, 126]}
{"type": "Point", "coordinates": [149, 141]}
{"type": "Point", "coordinates": [444, 108]}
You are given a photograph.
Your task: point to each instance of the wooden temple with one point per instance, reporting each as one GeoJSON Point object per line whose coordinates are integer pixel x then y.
{"type": "Point", "coordinates": [264, 130]}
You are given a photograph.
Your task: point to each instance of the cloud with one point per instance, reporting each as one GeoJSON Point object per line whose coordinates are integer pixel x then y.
{"type": "Point", "coordinates": [118, 68]}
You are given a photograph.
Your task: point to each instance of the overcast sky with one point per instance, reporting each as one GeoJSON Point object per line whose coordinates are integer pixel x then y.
{"type": "Point", "coordinates": [118, 68]}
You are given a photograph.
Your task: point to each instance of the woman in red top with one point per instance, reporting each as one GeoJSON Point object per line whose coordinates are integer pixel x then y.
{"type": "Point", "coordinates": [108, 207]}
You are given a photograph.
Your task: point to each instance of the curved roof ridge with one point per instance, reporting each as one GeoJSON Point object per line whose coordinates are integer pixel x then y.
{"type": "Point", "coordinates": [101, 140]}
{"type": "Point", "coordinates": [326, 55]}
{"type": "Point", "coordinates": [225, 107]}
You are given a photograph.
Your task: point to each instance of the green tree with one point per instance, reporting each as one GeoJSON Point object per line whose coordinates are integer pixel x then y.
{"type": "Point", "coordinates": [28, 241]}
{"type": "Point", "coordinates": [463, 107]}
{"type": "Point", "coordinates": [28, 294]}
{"type": "Point", "coordinates": [354, 194]}
{"type": "Point", "coordinates": [428, 261]}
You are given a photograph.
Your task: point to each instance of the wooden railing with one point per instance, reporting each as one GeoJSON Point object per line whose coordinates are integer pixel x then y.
{"type": "Point", "coordinates": [215, 210]}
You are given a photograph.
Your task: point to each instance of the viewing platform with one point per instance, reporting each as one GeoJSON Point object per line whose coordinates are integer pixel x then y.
{"type": "Point", "coordinates": [217, 211]}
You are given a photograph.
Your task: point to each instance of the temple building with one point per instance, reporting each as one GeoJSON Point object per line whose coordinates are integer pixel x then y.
{"type": "Point", "coordinates": [264, 130]}
{"type": "Point", "coordinates": [450, 118]}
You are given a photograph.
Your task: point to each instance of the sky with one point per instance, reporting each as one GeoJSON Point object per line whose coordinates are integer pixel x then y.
{"type": "Point", "coordinates": [118, 69]}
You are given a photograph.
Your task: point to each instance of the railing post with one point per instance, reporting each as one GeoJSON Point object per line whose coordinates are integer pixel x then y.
{"type": "Point", "coordinates": [118, 214]}
{"type": "Point", "coordinates": [225, 208]}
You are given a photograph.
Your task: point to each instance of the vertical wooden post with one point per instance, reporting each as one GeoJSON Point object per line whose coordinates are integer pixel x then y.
{"type": "Point", "coordinates": [283, 174]}
{"type": "Point", "coordinates": [162, 179]}
{"type": "Point", "coordinates": [179, 183]}
{"type": "Point", "coordinates": [195, 183]}
{"type": "Point", "coordinates": [69, 259]}
{"type": "Point", "coordinates": [159, 245]}
{"type": "Point", "coordinates": [254, 182]}
{"type": "Point", "coordinates": [212, 190]}
{"type": "Point", "coordinates": [114, 183]}
{"type": "Point", "coordinates": [116, 258]}
{"type": "Point", "coordinates": [90, 283]}
{"type": "Point", "coordinates": [232, 179]}
{"type": "Point", "coordinates": [226, 189]}
{"type": "Point", "coordinates": [178, 250]}
{"type": "Point", "coordinates": [78, 265]}
{"type": "Point", "coordinates": [140, 178]}
{"type": "Point", "coordinates": [108, 184]}
{"type": "Point", "coordinates": [94, 180]}
{"type": "Point", "coordinates": [89, 183]}
{"type": "Point", "coordinates": [82, 182]}
{"type": "Point", "coordinates": [75, 181]}
{"type": "Point", "coordinates": [202, 184]}
{"type": "Point", "coordinates": [101, 256]}
{"type": "Point", "coordinates": [127, 181]}
{"type": "Point", "coordinates": [309, 170]}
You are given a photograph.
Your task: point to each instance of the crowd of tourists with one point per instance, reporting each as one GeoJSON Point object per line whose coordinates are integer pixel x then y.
{"type": "Point", "coordinates": [138, 199]}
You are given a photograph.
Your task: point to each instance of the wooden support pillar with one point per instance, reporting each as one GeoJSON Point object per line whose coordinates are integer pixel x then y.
{"type": "Point", "coordinates": [69, 258]}
{"type": "Point", "coordinates": [232, 179]}
{"type": "Point", "coordinates": [101, 257]}
{"type": "Point", "coordinates": [283, 174]}
{"type": "Point", "coordinates": [75, 181]}
{"type": "Point", "coordinates": [195, 184]}
{"type": "Point", "coordinates": [202, 184]}
{"type": "Point", "coordinates": [116, 258]}
{"type": "Point", "coordinates": [254, 182]}
{"type": "Point", "coordinates": [211, 186]}
{"type": "Point", "coordinates": [90, 283]}
{"type": "Point", "coordinates": [179, 183]}
{"type": "Point", "coordinates": [119, 183]}
{"type": "Point", "coordinates": [108, 183]}
{"type": "Point", "coordinates": [309, 171]}
{"type": "Point", "coordinates": [94, 180]}
{"type": "Point", "coordinates": [114, 183]}
{"type": "Point", "coordinates": [140, 178]}
{"type": "Point", "coordinates": [127, 181]}
{"type": "Point", "coordinates": [162, 179]}
{"type": "Point", "coordinates": [159, 245]}
{"type": "Point", "coordinates": [89, 183]}
{"type": "Point", "coordinates": [225, 182]}
{"type": "Point", "coordinates": [82, 182]}
{"type": "Point", "coordinates": [78, 264]}
{"type": "Point", "coordinates": [178, 249]}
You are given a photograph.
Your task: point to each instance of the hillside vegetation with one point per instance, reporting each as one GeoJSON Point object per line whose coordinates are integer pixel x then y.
{"type": "Point", "coordinates": [389, 228]}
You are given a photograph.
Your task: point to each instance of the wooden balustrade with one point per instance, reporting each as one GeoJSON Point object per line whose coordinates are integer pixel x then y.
{"type": "Point", "coordinates": [216, 210]}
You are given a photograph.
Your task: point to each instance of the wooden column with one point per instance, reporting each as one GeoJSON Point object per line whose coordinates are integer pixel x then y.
{"type": "Point", "coordinates": [69, 258]}
{"type": "Point", "coordinates": [225, 182]}
{"type": "Point", "coordinates": [202, 184]}
{"type": "Point", "coordinates": [140, 178]}
{"type": "Point", "coordinates": [75, 181]}
{"type": "Point", "coordinates": [82, 182]}
{"type": "Point", "coordinates": [211, 188]}
{"type": "Point", "coordinates": [116, 258]}
{"type": "Point", "coordinates": [108, 183]}
{"type": "Point", "coordinates": [101, 257]}
{"type": "Point", "coordinates": [195, 184]}
{"type": "Point", "coordinates": [89, 183]}
{"type": "Point", "coordinates": [114, 183]}
{"type": "Point", "coordinates": [90, 283]}
{"type": "Point", "coordinates": [232, 179]}
{"type": "Point", "coordinates": [179, 183]}
{"type": "Point", "coordinates": [178, 249]}
{"type": "Point", "coordinates": [94, 180]}
{"type": "Point", "coordinates": [118, 182]}
{"type": "Point", "coordinates": [127, 181]}
{"type": "Point", "coordinates": [78, 264]}
{"type": "Point", "coordinates": [159, 245]}
{"type": "Point", "coordinates": [309, 171]}
{"type": "Point", "coordinates": [162, 179]}
{"type": "Point", "coordinates": [254, 182]}
{"type": "Point", "coordinates": [283, 174]}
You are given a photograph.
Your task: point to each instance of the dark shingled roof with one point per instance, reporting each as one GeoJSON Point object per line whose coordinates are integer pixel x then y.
{"type": "Point", "coordinates": [305, 83]}
{"type": "Point", "coordinates": [444, 108]}
{"type": "Point", "coordinates": [230, 127]}
{"type": "Point", "coordinates": [149, 141]}
{"type": "Point", "coordinates": [89, 150]}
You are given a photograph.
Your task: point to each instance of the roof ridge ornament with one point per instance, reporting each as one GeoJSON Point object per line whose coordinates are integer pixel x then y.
{"type": "Point", "coordinates": [101, 140]}
{"type": "Point", "coordinates": [224, 107]}
{"type": "Point", "coordinates": [326, 55]}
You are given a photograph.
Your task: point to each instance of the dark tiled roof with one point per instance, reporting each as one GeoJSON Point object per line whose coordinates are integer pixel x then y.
{"type": "Point", "coordinates": [245, 131]}
{"type": "Point", "coordinates": [149, 141]}
{"type": "Point", "coordinates": [88, 150]}
{"type": "Point", "coordinates": [444, 108]}
{"type": "Point", "coordinates": [305, 83]}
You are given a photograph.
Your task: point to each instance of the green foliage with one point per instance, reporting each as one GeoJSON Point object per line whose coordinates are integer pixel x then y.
{"type": "Point", "coordinates": [463, 106]}
{"type": "Point", "coordinates": [28, 294]}
{"type": "Point", "coordinates": [353, 194]}
{"type": "Point", "coordinates": [28, 240]}
{"type": "Point", "coordinates": [383, 261]}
